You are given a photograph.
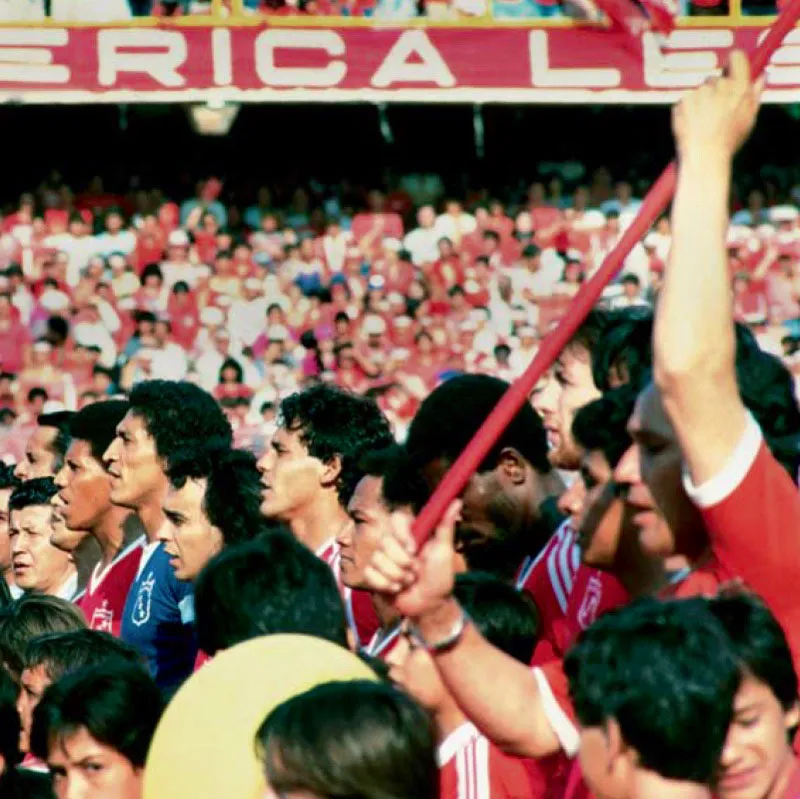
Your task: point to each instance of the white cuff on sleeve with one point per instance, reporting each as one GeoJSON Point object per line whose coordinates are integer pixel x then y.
{"type": "Point", "coordinates": [723, 484]}
{"type": "Point", "coordinates": [566, 732]}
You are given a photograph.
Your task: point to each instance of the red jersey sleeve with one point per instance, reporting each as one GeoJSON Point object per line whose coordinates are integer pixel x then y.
{"type": "Point", "coordinates": [751, 510]}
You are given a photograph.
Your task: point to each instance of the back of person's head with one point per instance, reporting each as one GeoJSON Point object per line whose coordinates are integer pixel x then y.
{"type": "Point", "coordinates": [179, 415]}
{"type": "Point", "coordinates": [59, 421]}
{"type": "Point", "coordinates": [10, 725]}
{"type": "Point", "coordinates": [97, 424]}
{"type": "Point", "coordinates": [758, 642]}
{"type": "Point", "coordinates": [30, 616]}
{"type": "Point", "coordinates": [232, 500]}
{"type": "Point", "coordinates": [506, 618]}
{"type": "Point", "coordinates": [602, 425]}
{"type": "Point", "coordinates": [7, 477]}
{"type": "Point", "coordinates": [767, 389]}
{"type": "Point", "coordinates": [664, 673]}
{"type": "Point", "coordinates": [117, 703]}
{"type": "Point", "coordinates": [623, 353]}
{"type": "Point", "coordinates": [63, 653]}
{"type": "Point", "coordinates": [273, 585]}
{"type": "Point", "coordinates": [335, 423]}
{"type": "Point", "coordinates": [37, 491]}
{"type": "Point", "coordinates": [403, 485]}
{"type": "Point", "coordinates": [451, 415]}
{"type": "Point", "coordinates": [362, 740]}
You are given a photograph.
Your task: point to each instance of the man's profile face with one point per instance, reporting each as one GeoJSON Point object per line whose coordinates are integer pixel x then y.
{"type": "Point", "coordinates": [291, 478]}
{"type": "Point", "coordinates": [570, 388]}
{"type": "Point", "coordinates": [359, 540]}
{"type": "Point", "coordinates": [32, 685]}
{"type": "Point", "coordinates": [5, 542]}
{"type": "Point", "coordinates": [137, 476]}
{"type": "Point", "coordinates": [84, 487]}
{"type": "Point", "coordinates": [37, 564]}
{"type": "Point", "coordinates": [40, 459]}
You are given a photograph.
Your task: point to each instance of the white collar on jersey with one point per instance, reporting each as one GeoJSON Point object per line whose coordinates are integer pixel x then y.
{"type": "Point", "coordinates": [455, 742]}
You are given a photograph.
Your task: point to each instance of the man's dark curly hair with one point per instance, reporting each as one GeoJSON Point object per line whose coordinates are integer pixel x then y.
{"type": "Point", "coordinates": [233, 489]}
{"type": "Point", "coordinates": [179, 415]}
{"type": "Point", "coordinates": [332, 423]}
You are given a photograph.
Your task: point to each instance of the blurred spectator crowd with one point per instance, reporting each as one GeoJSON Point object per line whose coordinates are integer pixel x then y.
{"type": "Point", "coordinates": [99, 291]}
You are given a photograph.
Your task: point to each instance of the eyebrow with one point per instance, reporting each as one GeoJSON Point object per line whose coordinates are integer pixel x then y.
{"type": "Point", "coordinates": [174, 515]}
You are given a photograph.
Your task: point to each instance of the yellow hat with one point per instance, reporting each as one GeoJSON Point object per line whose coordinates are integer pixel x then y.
{"type": "Point", "coordinates": [204, 745]}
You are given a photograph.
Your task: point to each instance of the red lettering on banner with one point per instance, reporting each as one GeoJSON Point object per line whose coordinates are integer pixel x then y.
{"type": "Point", "coordinates": [784, 66]}
{"type": "Point", "coordinates": [542, 74]}
{"type": "Point", "coordinates": [429, 67]}
{"type": "Point", "coordinates": [26, 56]}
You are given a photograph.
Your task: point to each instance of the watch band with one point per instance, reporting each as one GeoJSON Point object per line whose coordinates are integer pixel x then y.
{"type": "Point", "coordinates": [449, 640]}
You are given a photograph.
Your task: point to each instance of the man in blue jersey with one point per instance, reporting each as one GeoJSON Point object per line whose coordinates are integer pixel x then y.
{"type": "Point", "coordinates": [165, 417]}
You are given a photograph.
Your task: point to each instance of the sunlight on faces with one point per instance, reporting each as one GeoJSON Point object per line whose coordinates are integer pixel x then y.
{"type": "Point", "coordinates": [39, 460]}
{"type": "Point", "coordinates": [189, 537]}
{"type": "Point", "coordinates": [5, 541]}
{"type": "Point", "coordinates": [137, 475]}
{"type": "Point", "coordinates": [669, 520]}
{"type": "Point", "coordinates": [84, 487]}
{"type": "Point", "coordinates": [33, 683]}
{"type": "Point", "coordinates": [412, 668]}
{"type": "Point", "coordinates": [83, 767]}
{"type": "Point", "coordinates": [359, 540]}
{"type": "Point", "coordinates": [291, 478]}
{"type": "Point", "coordinates": [38, 565]}
{"type": "Point", "coordinates": [757, 751]}
{"type": "Point", "coordinates": [569, 388]}
{"type": "Point", "coordinates": [61, 536]}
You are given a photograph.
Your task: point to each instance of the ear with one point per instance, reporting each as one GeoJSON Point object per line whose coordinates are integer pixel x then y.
{"type": "Point", "coordinates": [513, 466]}
{"type": "Point", "coordinates": [792, 716]}
{"type": "Point", "coordinates": [331, 471]}
{"type": "Point", "coordinates": [621, 758]}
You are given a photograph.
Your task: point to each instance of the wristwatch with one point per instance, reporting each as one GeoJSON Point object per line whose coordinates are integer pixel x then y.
{"type": "Point", "coordinates": [449, 640]}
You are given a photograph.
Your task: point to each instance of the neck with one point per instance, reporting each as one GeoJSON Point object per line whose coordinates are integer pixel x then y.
{"type": "Point", "coordinates": [60, 581]}
{"type": "Point", "coordinates": [647, 785]}
{"type": "Point", "coordinates": [152, 518]}
{"type": "Point", "coordinates": [8, 576]}
{"type": "Point", "coordinates": [85, 558]}
{"type": "Point", "coordinates": [385, 611]}
{"type": "Point", "coordinates": [780, 787]}
{"type": "Point", "coordinates": [320, 521]}
{"type": "Point", "coordinates": [639, 574]}
{"type": "Point", "coordinates": [117, 528]}
{"type": "Point", "coordinates": [448, 719]}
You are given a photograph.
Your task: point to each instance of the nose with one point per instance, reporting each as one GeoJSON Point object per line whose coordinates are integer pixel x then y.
{"type": "Point", "coordinates": [628, 472]}
{"type": "Point", "coordinates": [266, 461]}
{"type": "Point", "coordinates": [21, 470]}
{"type": "Point", "coordinates": [61, 477]}
{"type": "Point", "coordinates": [571, 501]}
{"type": "Point", "coordinates": [345, 536]}
{"type": "Point", "coordinates": [110, 455]}
{"type": "Point", "coordinates": [730, 752]}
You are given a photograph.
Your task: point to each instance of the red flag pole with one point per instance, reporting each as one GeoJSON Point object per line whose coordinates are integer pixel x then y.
{"type": "Point", "coordinates": [653, 205]}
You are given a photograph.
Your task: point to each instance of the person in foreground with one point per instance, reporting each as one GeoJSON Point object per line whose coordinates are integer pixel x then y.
{"type": "Point", "coordinates": [358, 739]}
{"type": "Point", "coordinates": [93, 729]}
{"type": "Point", "coordinates": [653, 686]}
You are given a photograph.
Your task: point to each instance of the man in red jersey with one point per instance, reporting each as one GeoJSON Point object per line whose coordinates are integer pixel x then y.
{"type": "Point", "coordinates": [85, 498]}
{"type": "Point", "coordinates": [309, 473]}
{"type": "Point", "coordinates": [749, 505]}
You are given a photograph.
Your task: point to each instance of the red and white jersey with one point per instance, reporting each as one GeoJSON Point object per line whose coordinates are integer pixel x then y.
{"type": "Point", "coordinates": [103, 601]}
{"type": "Point", "coordinates": [361, 616]}
{"type": "Point", "coordinates": [568, 594]}
{"type": "Point", "coordinates": [383, 642]}
{"type": "Point", "coordinates": [471, 767]}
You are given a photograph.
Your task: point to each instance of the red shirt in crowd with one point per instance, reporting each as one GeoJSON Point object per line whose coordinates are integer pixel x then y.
{"type": "Point", "coordinates": [104, 599]}
{"type": "Point", "coordinates": [472, 767]}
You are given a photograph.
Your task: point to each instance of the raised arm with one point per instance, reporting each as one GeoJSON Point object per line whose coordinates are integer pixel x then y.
{"type": "Point", "coordinates": [694, 341]}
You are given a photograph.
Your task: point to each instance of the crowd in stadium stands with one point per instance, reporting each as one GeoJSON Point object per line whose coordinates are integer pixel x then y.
{"type": "Point", "coordinates": [100, 291]}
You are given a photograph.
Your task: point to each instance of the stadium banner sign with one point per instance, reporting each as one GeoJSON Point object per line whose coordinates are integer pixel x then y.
{"type": "Point", "coordinates": [265, 63]}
